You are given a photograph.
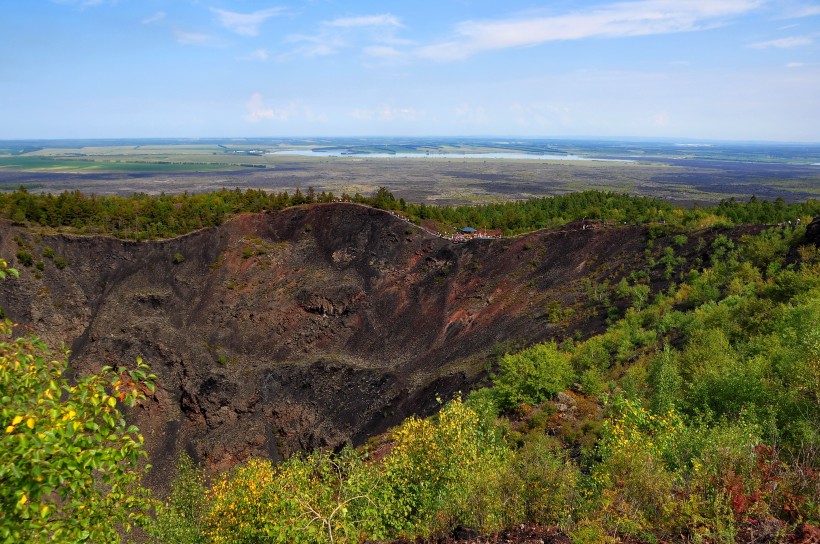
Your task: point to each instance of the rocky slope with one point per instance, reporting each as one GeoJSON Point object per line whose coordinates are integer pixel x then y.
{"type": "Point", "coordinates": [309, 327]}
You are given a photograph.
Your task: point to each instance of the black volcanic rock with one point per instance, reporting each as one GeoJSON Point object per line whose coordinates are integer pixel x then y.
{"type": "Point", "coordinates": [309, 327]}
{"type": "Point", "coordinates": [813, 232]}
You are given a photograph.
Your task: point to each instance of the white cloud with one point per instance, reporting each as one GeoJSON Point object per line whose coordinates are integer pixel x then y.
{"type": "Point", "coordinates": [365, 20]}
{"type": "Point", "coordinates": [259, 111]}
{"type": "Point", "coordinates": [246, 24]}
{"type": "Point", "coordinates": [803, 11]}
{"type": "Point", "coordinates": [795, 64]}
{"type": "Point", "coordinates": [315, 46]}
{"type": "Point", "coordinates": [472, 114]}
{"type": "Point", "coordinates": [374, 34]}
{"type": "Point", "coordinates": [386, 113]}
{"type": "Point", "coordinates": [783, 43]}
{"type": "Point", "coordinates": [660, 119]}
{"type": "Point", "coordinates": [193, 38]}
{"type": "Point", "coordinates": [621, 19]}
{"type": "Point", "coordinates": [260, 55]}
{"type": "Point", "coordinates": [155, 18]}
{"type": "Point", "coordinates": [381, 51]}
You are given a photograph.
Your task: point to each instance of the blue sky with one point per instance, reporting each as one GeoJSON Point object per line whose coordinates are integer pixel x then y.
{"type": "Point", "coordinates": [702, 69]}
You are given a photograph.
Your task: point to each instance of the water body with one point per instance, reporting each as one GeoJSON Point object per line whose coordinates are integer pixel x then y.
{"type": "Point", "coordinates": [515, 156]}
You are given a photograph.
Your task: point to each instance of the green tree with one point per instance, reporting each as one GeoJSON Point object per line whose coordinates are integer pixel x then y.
{"type": "Point", "coordinates": [179, 519]}
{"type": "Point", "coordinates": [68, 461]}
{"type": "Point", "coordinates": [533, 375]}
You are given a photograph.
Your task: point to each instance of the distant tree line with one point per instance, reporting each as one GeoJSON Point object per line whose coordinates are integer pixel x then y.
{"type": "Point", "coordinates": [142, 216]}
{"type": "Point", "coordinates": [515, 217]}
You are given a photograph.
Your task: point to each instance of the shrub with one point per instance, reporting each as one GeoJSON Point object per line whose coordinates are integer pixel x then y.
{"type": "Point", "coordinates": [634, 478]}
{"type": "Point", "coordinates": [434, 466]}
{"type": "Point", "coordinates": [60, 262]}
{"type": "Point", "coordinates": [664, 378]}
{"type": "Point", "coordinates": [178, 258]}
{"type": "Point", "coordinates": [48, 252]}
{"type": "Point", "coordinates": [245, 507]}
{"type": "Point", "coordinates": [640, 295]}
{"type": "Point", "coordinates": [592, 382]}
{"type": "Point", "coordinates": [447, 470]}
{"type": "Point", "coordinates": [68, 460]}
{"type": "Point", "coordinates": [591, 531]}
{"type": "Point", "coordinates": [549, 480]}
{"type": "Point", "coordinates": [532, 376]}
{"type": "Point", "coordinates": [25, 258]}
{"type": "Point", "coordinates": [637, 496]}
{"type": "Point", "coordinates": [179, 519]}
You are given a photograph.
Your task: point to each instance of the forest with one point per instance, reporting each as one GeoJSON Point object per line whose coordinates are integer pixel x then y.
{"type": "Point", "coordinates": [142, 217]}
{"type": "Point", "coordinates": [693, 417]}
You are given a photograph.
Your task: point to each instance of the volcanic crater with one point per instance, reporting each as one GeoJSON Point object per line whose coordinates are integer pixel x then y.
{"type": "Point", "coordinates": [310, 327]}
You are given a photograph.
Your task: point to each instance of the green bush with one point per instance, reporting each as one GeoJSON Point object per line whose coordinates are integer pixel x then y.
{"type": "Point", "coordinates": [444, 471]}
{"type": "Point", "coordinates": [25, 258]}
{"type": "Point", "coordinates": [549, 481]}
{"type": "Point", "coordinates": [532, 376]}
{"type": "Point", "coordinates": [434, 465]}
{"type": "Point", "coordinates": [68, 460]}
{"type": "Point", "coordinates": [179, 519]}
{"type": "Point", "coordinates": [60, 262]}
{"type": "Point", "coordinates": [679, 240]}
{"type": "Point", "coordinates": [592, 382]}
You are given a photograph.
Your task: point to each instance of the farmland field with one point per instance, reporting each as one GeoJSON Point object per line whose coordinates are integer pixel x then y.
{"type": "Point", "coordinates": [421, 170]}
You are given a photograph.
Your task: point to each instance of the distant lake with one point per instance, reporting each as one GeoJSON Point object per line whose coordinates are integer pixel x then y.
{"type": "Point", "coordinates": [516, 156]}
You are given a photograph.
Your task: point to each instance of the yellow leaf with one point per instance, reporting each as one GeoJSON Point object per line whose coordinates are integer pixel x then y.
{"type": "Point", "coordinates": [22, 500]}
{"type": "Point", "coordinates": [17, 419]}
{"type": "Point", "coordinates": [10, 429]}
{"type": "Point", "coordinates": [30, 423]}
{"type": "Point", "coordinates": [112, 402]}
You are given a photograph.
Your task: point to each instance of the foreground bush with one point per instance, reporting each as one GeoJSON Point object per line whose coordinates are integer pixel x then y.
{"type": "Point", "coordinates": [441, 472]}
{"type": "Point", "coordinates": [68, 460]}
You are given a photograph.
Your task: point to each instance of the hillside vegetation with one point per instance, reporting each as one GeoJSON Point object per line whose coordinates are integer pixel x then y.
{"type": "Point", "coordinates": [693, 417]}
{"type": "Point", "coordinates": [142, 216]}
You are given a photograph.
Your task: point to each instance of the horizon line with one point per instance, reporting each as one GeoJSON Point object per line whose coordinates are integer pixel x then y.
{"type": "Point", "coordinates": [666, 139]}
